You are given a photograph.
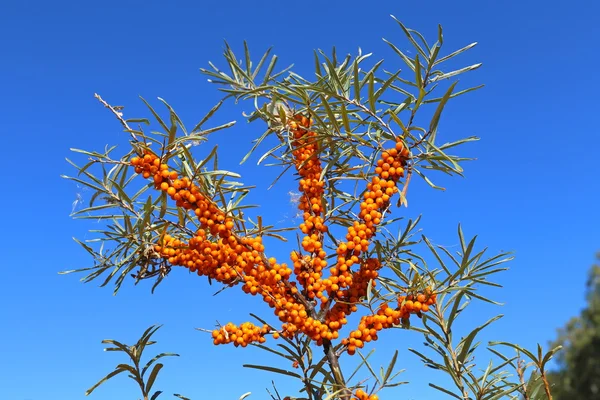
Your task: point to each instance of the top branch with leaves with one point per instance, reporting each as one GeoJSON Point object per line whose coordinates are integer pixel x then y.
{"type": "Point", "coordinates": [351, 135]}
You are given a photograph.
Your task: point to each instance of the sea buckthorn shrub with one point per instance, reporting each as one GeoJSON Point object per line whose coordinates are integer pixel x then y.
{"type": "Point", "coordinates": [351, 139]}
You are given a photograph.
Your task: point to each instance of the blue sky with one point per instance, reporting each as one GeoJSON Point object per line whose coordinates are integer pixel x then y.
{"type": "Point", "coordinates": [531, 191]}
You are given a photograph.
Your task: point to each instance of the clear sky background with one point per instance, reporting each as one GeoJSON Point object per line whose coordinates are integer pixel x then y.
{"type": "Point", "coordinates": [533, 190]}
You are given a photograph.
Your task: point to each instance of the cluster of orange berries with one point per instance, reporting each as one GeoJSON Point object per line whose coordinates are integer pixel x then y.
{"type": "Point", "coordinates": [309, 269]}
{"type": "Point", "coordinates": [184, 193]}
{"type": "Point", "coordinates": [226, 258]}
{"type": "Point", "coordinates": [349, 297]}
{"type": "Point", "coordinates": [348, 287]}
{"type": "Point", "coordinates": [147, 165]}
{"type": "Point", "coordinates": [217, 252]}
{"type": "Point", "coordinates": [230, 259]}
{"type": "Point", "coordinates": [358, 395]}
{"type": "Point", "coordinates": [387, 317]}
{"type": "Point", "coordinates": [369, 325]}
{"type": "Point", "coordinates": [362, 395]}
{"type": "Point", "coordinates": [420, 302]}
{"type": "Point", "coordinates": [243, 335]}
{"type": "Point", "coordinates": [390, 168]}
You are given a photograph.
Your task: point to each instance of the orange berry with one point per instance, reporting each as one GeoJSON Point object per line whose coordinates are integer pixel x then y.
{"type": "Point", "coordinates": [417, 306]}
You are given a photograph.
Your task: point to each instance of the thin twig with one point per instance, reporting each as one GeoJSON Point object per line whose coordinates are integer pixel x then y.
{"type": "Point", "coordinates": [406, 182]}
{"type": "Point", "coordinates": [521, 374]}
{"type": "Point", "coordinates": [117, 114]}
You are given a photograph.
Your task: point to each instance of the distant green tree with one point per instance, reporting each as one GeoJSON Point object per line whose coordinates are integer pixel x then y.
{"type": "Point", "coordinates": [578, 375]}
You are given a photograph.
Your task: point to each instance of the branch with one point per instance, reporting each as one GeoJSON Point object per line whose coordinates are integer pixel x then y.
{"type": "Point", "coordinates": [546, 385]}
{"type": "Point", "coordinates": [117, 114]}
{"type": "Point", "coordinates": [521, 374]}
{"type": "Point", "coordinates": [333, 361]}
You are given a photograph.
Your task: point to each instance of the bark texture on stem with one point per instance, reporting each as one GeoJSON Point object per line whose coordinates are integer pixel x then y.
{"type": "Point", "coordinates": [336, 370]}
{"type": "Point", "coordinates": [546, 386]}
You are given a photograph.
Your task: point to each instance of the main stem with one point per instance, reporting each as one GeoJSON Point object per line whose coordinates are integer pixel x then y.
{"type": "Point", "coordinates": [336, 370]}
{"type": "Point", "coordinates": [546, 385]}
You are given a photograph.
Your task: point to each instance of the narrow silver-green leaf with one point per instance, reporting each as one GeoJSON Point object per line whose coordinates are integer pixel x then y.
{"type": "Point", "coordinates": [466, 342]}
{"type": "Point", "coordinates": [153, 376]}
{"type": "Point", "coordinates": [101, 381]}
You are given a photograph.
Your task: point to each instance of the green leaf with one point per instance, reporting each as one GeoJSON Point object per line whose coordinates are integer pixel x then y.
{"type": "Point", "coordinates": [410, 37]}
{"type": "Point", "coordinates": [435, 253]}
{"type": "Point", "coordinates": [153, 376]}
{"type": "Point", "coordinates": [455, 310]}
{"type": "Point", "coordinates": [330, 114]}
{"type": "Point", "coordinates": [134, 373]}
{"type": "Point", "coordinates": [248, 59]}
{"type": "Point", "coordinates": [369, 367]}
{"type": "Point", "coordinates": [317, 65]}
{"type": "Point", "coordinates": [516, 347]}
{"type": "Point", "coordinates": [371, 81]}
{"type": "Point", "coordinates": [280, 354]}
{"type": "Point", "coordinates": [261, 62]}
{"type": "Point", "coordinates": [156, 358]}
{"type": "Point", "coordinates": [210, 113]}
{"type": "Point", "coordinates": [269, 70]}
{"type": "Point", "coordinates": [447, 75]}
{"type": "Point", "coordinates": [120, 346]}
{"type": "Point", "coordinates": [441, 389]}
{"type": "Point", "coordinates": [138, 121]}
{"type": "Point", "coordinates": [435, 119]}
{"type": "Point", "coordinates": [174, 117]}
{"type": "Point", "coordinates": [156, 394]}
{"type": "Point", "coordinates": [156, 116]}
{"type": "Point", "coordinates": [403, 56]}
{"type": "Point", "coordinates": [332, 72]}
{"type": "Point", "coordinates": [437, 99]}
{"type": "Point", "coordinates": [428, 361]}
{"type": "Point", "coordinates": [418, 76]}
{"type": "Point", "coordinates": [433, 55]}
{"type": "Point", "coordinates": [466, 342]}
{"type": "Point", "coordinates": [390, 367]}
{"type": "Point", "coordinates": [364, 360]}
{"type": "Point", "coordinates": [144, 340]}
{"type": "Point", "coordinates": [426, 179]}
{"type": "Point", "coordinates": [549, 355]}
{"type": "Point", "coordinates": [256, 144]}
{"type": "Point", "coordinates": [455, 53]}
{"type": "Point", "coordinates": [272, 369]}
{"type": "Point", "coordinates": [101, 381]}
{"type": "Point", "coordinates": [386, 85]}
{"type": "Point", "coordinates": [345, 120]}
{"type": "Point", "coordinates": [356, 81]}
{"type": "Point", "coordinates": [172, 129]}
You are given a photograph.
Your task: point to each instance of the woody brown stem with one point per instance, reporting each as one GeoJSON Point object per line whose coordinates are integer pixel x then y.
{"type": "Point", "coordinates": [336, 370]}
{"type": "Point", "coordinates": [546, 385]}
{"type": "Point", "coordinates": [521, 374]}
